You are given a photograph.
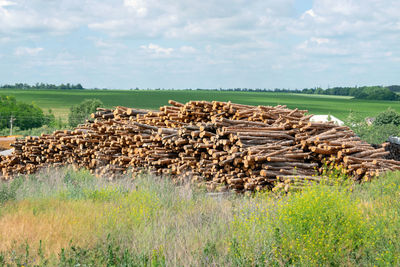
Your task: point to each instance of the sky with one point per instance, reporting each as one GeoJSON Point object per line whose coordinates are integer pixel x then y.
{"type": "Point", "coordinates": [181, 44]}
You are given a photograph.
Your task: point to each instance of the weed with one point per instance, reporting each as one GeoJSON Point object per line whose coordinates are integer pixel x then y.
{"type": "Point", "coordinates": [70, 218]}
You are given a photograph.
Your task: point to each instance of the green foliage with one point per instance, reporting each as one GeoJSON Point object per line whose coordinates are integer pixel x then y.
{"type": "Point", "coordinates": [8, 190]}
{"type": "Point", "coordinates": [375, 93]}
{"type": "Point", "coordinates": [251, 241]}
{"type": "Point", "coordinates": [365, 92]}
{"type": "Point", "coordinates": [394, 88]}
{"type": "Point", "coordinates": [376, 133]}
{"type": "Point", "coordinates": [389, 116]}
{"type": "Point", "coordinates": [105, 194]}
{"type": "Point", "coordinates": [77, 185]}
{"type": "Point", "coordinates": [108, 254]}
{"type": "Point", "coordinates": [319, 226]}
{"type": "Point", "coordinates": [42, 86]}
{"type": "Point", "coordinates": [80, 113]}
{"type": "Point", "coordinates": [25, 116]}
{"type": "Point", "coordinates": [382, 205]}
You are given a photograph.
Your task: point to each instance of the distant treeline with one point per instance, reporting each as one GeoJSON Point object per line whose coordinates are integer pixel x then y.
{"type": "Point", "coordinates": [365, 92]}
{"type": "Point", "coordinates": [42, 86]}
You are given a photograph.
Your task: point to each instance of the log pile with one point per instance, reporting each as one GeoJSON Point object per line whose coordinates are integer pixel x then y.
{"type": "Point", "coordinates": [219, 144]}
{"type": "Point", "coordinates": [393, 148]}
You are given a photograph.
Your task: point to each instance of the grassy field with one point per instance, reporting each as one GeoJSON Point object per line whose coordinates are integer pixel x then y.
{"type": "Point", "coordinates": [60, 101]}
{"type": "Point", "coordinates": [69, 218]}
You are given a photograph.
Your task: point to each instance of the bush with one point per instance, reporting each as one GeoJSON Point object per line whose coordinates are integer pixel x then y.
{"type": "Point", "coordinates": [389, 116]}
{"type": "Point", "coordinates": [26, 116]}
{"type": "Point", "coordinates": [80, 113]}
{"type": "Point", "coordinates": [8, 191]}
{"type": "Point", "coordinates": [378, 132]}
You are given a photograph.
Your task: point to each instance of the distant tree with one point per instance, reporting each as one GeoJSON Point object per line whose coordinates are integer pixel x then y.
{"type": "Point", "coordinates": [80, 113]}
{"type": "Point", "coordinates": [394, 88]}
{"type": "Point", "coordinates": [42, 86]}
{"type": "Point", "coordinates": [378, 93]}
{"type": "Point", "coordinates": [366, 92]}
{"type": "Point", "coordinates": [25, 116]}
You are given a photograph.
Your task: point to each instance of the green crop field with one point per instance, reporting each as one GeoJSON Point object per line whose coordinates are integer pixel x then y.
{"type": "Point", "coordinates": [339, 106]}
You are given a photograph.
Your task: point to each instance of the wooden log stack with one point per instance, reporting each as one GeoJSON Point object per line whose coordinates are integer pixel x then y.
{"type": "Point", "coordinates": [221, 145]}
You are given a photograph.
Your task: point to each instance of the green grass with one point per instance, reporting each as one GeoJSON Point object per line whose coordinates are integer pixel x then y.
{"type": "Point", "coordinates": [68, 218]}
{"type": "Point", "coordinates": [339, 106]}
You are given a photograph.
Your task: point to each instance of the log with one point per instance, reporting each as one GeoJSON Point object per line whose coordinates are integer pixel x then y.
{"type": "Point", "coordinates": [235, 146]}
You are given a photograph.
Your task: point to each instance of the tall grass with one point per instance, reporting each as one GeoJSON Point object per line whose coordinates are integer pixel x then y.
{"type": "Point", "coordinates": [70, 218]}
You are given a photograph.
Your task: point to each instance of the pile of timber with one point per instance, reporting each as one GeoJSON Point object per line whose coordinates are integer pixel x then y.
{"type": "Point", "coordinates": [393, 148]}
{"type": "Point", "coordinates": [221, 145]}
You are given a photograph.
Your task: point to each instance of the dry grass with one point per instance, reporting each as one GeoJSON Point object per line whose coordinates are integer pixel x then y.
{"type": "Point", "coordinates": [148, 216]}
{"type": "Point", "coordinates": [77, 219]}
{"type": "Point", "coordinates": [55, 223]}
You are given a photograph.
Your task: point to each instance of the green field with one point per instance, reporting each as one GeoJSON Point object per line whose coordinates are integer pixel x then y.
{"type": "Point", "coordinates": [339, 106]}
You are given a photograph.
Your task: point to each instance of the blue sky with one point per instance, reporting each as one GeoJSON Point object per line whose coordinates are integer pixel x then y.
{"type": "Point", "coordinates": [200, 44]}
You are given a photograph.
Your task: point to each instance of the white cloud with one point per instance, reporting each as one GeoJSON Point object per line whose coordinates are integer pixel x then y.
{"type": "Point", "coordinates": [309, 12]}
{"type": "Point", "coordinates": [27, 51]}
{"type": "Point", "coordinates": [33, 18]}
{"type": "Point", "coordinates": [5, 3]}
{"type": "Point", "coordinates": [157, 50]}
{"type": "Point", "coordinates": [319, 41]}
{"type": "Point", "coordinates": [139, 6]}
{"type": "Point", "coordinates": [107, 44]}
{"type": "Point", "coordinates": [230, 36]}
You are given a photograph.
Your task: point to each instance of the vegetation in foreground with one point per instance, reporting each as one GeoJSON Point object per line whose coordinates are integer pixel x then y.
{"type": "Point", "coordinates": [70, 218]}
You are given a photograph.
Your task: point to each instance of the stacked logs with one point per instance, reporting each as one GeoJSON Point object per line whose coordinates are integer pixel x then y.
{"type": "Point", "coordinates": [219, 144]}
{"type": "Point", "coordinates": [393, 148]}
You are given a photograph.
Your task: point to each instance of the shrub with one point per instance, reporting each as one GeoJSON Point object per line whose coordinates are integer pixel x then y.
{"type": "Point", "coordinates": [80, 113]}
{"type": "Point", "coordinates": [379, 131]}
{"type": "Point", "coordinates": [389, 116]}
{"type": "Point", "coordinates": [8, 191]}
{"type": "Point", "coordinates": [377, 134]}
{"type": "Point", "coordinates": [26, 116]}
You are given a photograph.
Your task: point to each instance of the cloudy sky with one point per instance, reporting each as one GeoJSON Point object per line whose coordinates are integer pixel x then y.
{"type": "Point", "coordinates": [200, 44]}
